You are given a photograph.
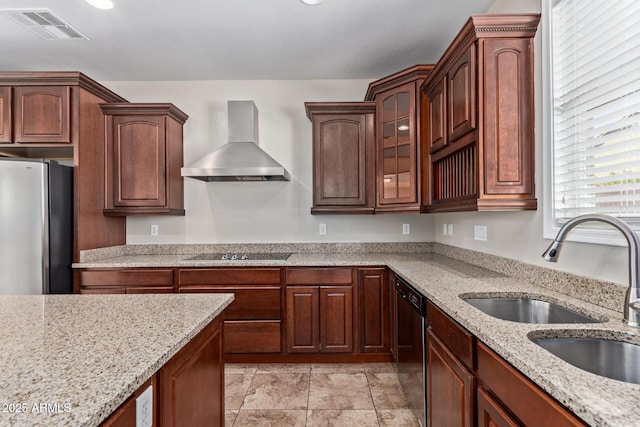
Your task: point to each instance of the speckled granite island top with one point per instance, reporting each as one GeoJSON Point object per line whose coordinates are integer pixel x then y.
{"type": "Point", "coordinates": [71, 360]}
{"type": "Point", "coordinates": [440, 274]}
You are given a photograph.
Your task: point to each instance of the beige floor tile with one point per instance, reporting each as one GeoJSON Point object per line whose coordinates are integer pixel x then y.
{"type": "Point", "coordinates": [283, 368]}
{"type": "Point", "coordinates": [383, 368]}
{"type": "Point", "coordinates": [240, 368]}
{"type": "Point", "coordinates": [338, 418]}
{"type": "Point", "coordinates": [396, 418]}
{"type": "Point", "coordinates": [235, 389]}
{"type": "Point", "coordinates": [331, 368]}
{"type": "Point", "coordinates": [271, 418]}
{"type": "Point", "coordinates": [278, 391]}
{"type": "Point", "coordinates": [339, 391]}
{"type": "Point", "coordinates": [230, 417]}
{"type": "Point", "coordinates": [387, 392]}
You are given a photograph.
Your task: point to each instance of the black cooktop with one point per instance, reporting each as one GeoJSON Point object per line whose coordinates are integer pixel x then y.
{"type": "Point", "coordinates": [240, 256]}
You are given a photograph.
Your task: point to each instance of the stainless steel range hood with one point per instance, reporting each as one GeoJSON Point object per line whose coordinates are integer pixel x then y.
{"type": "Point", "coordinates": [241, 159]}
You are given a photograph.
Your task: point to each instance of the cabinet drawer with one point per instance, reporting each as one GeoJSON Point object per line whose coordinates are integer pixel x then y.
{"type": "Point", "coordinates": [530, 404]}
{"type": "Point", "coordinates": [229, 276]}
{"type": "Point", "coordinates": [252, 336]}
{"type": "Point", "coordinates": [128, 290]}
{"type": "Point", "coordinates": [319, 276]}
{"type": "Point", "coordinates": [251, 302]}
{"type": "Point", "coordinates": [455, 337]}
{"type": "Point", "coordinates": [138, 277]}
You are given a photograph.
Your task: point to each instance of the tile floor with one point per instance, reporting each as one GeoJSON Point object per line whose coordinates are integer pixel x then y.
{"type": "Point", "coordinates": [309, 394]}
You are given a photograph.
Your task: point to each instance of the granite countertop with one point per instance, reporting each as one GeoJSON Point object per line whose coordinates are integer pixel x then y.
{"type": "Point", "coordinates": [443, 279]}
{"type": "Point", "coordinates": [71, 360]}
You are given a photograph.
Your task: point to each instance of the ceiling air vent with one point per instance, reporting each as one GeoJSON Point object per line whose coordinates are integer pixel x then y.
{"type": "Point", "coordinates": [44, 23]}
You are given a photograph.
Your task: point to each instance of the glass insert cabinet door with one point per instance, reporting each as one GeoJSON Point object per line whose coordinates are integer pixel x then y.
{"type": "Point", "coordinates": [397, 147]}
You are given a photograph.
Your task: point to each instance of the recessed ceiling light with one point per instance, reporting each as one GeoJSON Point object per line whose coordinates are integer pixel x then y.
{"type": "Point", "coordinates": [311, 2]}
{"type": "Point", "coordinates": [101, 4]}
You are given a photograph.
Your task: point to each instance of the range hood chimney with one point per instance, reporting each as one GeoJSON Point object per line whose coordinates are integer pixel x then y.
{"type": "Point", "coordinates": [241, 159]}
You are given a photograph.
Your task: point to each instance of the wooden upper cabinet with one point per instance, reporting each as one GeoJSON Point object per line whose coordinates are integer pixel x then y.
{"type": "Point", "coordinates": [5, 114]}
{"type": "Point", "coordinates": [485, 160]}
{"type": "Point", "coordinates": [461, 99]}
{"type": "Point", "coordinates": [397, 147]}
{"type": "Point", "coordinates": [42, 114]}
{"type": "Point", "coordinates": [144, 158]}
{"type": "Point", "coordinates": [343, 156]}
{"type": "Point", "coordinates": [436, 124]}
{"type": "Point", "coordinates": [398, 138]}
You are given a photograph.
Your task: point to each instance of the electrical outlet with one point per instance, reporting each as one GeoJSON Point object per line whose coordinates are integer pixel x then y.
{"type": "Point", "coordinates": [480, 232]}
{"type": "Point", "coordinates": [445, 231]}
{"type": "Point", "coordinates": [154, 229]}
{"type": "Point", "coordinates": [406, 229]}
{"type": "Point", "coordinates": [322, 229]}
{"type": "Point", "coordinates": [450, 229]}
{"type": "Point", "coordinates": [144, 408]}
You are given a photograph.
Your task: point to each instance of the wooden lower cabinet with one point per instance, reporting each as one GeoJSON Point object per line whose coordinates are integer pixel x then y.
{"type": "Point", "coordinates": [253, 320]}
{"type": "Point", "coordinates": [450, 387]}
{"type": "Point", "coordinates": [468, 384]}
{"type": "Point", "coordinates": [319, 319]}
{"type": "Point", "coordinates": [188, 390]}
{"type": "Point", "coordinates": [192, 382]}
{"type": "Point", "coordinates": [373, 304]}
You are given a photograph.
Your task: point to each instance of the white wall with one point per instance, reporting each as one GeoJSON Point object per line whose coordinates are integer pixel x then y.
{"type": "Point", "coordinates": [518, 235]}
{"type": "Point", "coordinates": [247, 212]}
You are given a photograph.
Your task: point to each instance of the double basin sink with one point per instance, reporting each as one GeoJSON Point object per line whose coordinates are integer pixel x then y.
{"type": "Point", "coordinates": [609, 358]}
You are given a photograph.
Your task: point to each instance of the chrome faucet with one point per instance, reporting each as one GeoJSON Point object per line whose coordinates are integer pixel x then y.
{"type": "Point", "coordinates": [631, 309]}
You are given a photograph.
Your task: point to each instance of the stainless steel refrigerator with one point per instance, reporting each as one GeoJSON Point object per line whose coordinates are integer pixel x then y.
{"type": "Point", "coordinates": [36, 226]}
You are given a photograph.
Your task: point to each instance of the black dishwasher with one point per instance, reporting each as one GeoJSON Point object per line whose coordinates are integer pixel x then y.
{"type": "Point", "coordinates": [411, 313]}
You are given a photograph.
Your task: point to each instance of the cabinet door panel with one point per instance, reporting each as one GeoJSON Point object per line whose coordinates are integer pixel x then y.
{"type": "Point", "coordinates": [336, 319]}
{"type": "Point", "coordinates": [397, 146]}
{"type": "Point", "coordinates": [139, 176]}
{"type": "Point", "coordinates": [5, 114]}
{"type": "Point", "coordinates": [450, 387]}
{"type": "Point", "coordinates": [303, 319]}
{"type": "Point", "coordinates": [373, 294]}
{"type": "Point", "coordinates": [340, 168]}
{"type": "Point", "coordinates": [461, 94]}
{"type": "Point", "coordinates": [508, 155]}
{"type": "Point", "coordinates": [42, 114]}
{"type": "Point", "coordinates": [491, 413]}
{"type": "Point", "coordinates": [437, 110]}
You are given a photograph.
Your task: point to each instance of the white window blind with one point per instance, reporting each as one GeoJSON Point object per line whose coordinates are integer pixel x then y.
{"type": "Point", "coordinates": [595, 62]}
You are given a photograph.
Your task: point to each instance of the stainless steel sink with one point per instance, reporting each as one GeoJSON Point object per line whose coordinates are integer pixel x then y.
{"type": "Point", "coordinates": [527, 310]}
{"type": "Point", "coordinates": [617, 360]}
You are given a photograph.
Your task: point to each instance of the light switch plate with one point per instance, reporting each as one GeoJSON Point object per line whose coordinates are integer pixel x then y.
{"type": "Point", "coordinates": [154, 229]}
{"type": "Point", "coordinates": [322, 229]}
{"type": "Point", "coordinates": [406, 228]}
{"type": "Point", "coordinates": [450, 229]}
{"type": "Point", "coordinates": [444, 230]}
{"type": "Point", "coordinates": [480, 232]}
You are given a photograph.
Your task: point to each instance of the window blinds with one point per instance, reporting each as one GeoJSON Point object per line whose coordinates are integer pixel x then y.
{"type": "Point", "coordinates": [596, 107]}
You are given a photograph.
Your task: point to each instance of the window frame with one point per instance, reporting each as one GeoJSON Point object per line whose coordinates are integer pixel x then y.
{"type": "Point", "coordinates": [597, 234]}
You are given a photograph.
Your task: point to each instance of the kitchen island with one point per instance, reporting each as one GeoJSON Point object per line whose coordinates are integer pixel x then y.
{"type": "Point", "coordinates": [439, 272]}
{"type": "Point", "coordinates": [72, 360]}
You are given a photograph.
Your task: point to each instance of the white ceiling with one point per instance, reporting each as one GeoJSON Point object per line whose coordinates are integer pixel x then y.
{"type": "Point", "coordinates": [238, 39]}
